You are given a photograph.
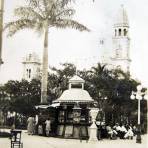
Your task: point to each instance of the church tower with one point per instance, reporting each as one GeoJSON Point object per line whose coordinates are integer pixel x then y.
{"type": "Point", "coordinates": [31, 67]}
{"type": "Point", "coordinates": [121, 42]}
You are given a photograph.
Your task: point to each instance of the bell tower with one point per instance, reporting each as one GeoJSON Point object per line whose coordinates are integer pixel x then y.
{"type": "Point", "coordinates": [31, 67]}
{"type": "Point", "coordinates": [121, 42]}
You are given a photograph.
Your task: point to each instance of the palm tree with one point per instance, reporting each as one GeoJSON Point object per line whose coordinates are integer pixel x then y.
{"type": "Point", "coordinates": [99, 69]}
{"type": "Point", "coordinates": [41, 15]}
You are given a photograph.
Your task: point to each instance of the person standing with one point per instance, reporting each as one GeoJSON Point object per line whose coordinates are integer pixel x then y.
{"type": "Point", "coordinates": [30, 126]}
{"type": "Point", "coordinates": [36, 124]}
{"type": "Point", "coordinates": [48, 127]}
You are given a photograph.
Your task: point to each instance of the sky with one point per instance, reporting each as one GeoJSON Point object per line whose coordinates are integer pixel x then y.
{"type": "Point", "coordinates": [80, 48]}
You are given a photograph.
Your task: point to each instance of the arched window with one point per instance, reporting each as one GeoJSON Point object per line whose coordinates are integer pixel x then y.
{"type": "Point", "coordinates": [115, 32]}
{"type": "Point", "coordinates": [125, 32]}
{"type": "Point", "coordinates": [29, 73]}
{"type": "Point", "coordinates": [119, 32]}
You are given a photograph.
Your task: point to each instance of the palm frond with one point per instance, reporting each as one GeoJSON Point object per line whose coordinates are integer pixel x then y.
{"type": "Point", "coordinates": [17, 25]}
{"type": "Point", "coordinates": [65, 12]}
{"type": "Point", "coordinates": [65, 2]}
{"type": "Point", "coordinates": [33, 3]}
{"type": "Point", "coordinates": [68, 23]}
{"type": "Point", "coordinates": [43, 6]}
{"type": "Point", "coordinates": [27, 12]}
{"type": "Point", "coordinates": [60, 6]}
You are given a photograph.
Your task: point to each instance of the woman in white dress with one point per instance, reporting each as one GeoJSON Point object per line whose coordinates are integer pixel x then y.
{"type": "Point", "coordinates": [48, 127]}
{"type": "Point", "coordinates": [31, 124]}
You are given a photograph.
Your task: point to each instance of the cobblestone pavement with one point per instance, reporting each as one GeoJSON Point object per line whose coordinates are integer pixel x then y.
{"type": "Point", "coordinates": [50, 142]}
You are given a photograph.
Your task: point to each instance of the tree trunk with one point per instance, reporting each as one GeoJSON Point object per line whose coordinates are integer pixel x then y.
{"type": "Point", "coordinates": [1, 28]}
{"type": "Point", "coordinates": [45, 67]}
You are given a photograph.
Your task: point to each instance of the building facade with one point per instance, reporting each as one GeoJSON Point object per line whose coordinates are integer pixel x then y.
{"type": "Point", "coordinates": [31, 67]}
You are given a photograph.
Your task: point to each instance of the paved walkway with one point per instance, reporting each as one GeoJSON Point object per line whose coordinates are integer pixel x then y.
{"type": "Point", "coordinates": [50, 142]}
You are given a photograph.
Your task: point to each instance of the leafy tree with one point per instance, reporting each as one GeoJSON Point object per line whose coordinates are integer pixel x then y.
{"type": "Point", "coordinates": [41, 15]}
{"type": "Point", "coordinates": [99, 82]}
{"type": "Point", "coordinates": [58, 79]}
{"type": "Point", "coordinates": [23, 95]}
{"type": "Point", "coordinates": [117, 87]}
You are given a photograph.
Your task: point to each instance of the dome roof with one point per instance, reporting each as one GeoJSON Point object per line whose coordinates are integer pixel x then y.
{"type": "Point", "coordinates": [122, 18]}
{"type": "Point", "coordinates": [76, 79]}
{"type": "Point", "coordinates": [75, 95]}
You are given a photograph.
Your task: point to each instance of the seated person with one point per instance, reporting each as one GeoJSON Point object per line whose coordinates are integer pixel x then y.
{"type": "Point", "coordinates": [129, 133]}
{"type": "Point", "coordinates": [123, 131]}
{"type": "Point", "coordinates": [117, 128]}
{"type": "Point", "coordinates": [111, 132]}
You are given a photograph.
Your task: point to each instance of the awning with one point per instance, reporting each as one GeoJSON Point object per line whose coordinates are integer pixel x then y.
{"type": "Point", "coordinates": [42, 106]}
{"type": "Point", "coordinates": [55, 104]}
{"type": "Point", "coordinates": [47, 106]}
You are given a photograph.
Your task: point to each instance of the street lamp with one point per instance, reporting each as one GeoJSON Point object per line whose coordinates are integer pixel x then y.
{"type": "Point", "coordinates": [139, 95]}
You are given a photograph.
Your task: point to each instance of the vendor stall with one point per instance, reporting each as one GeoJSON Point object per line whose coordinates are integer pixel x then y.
{"type": "Point", "coordinates": [73, 117]}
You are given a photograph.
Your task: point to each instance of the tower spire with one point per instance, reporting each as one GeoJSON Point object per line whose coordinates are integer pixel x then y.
{"type": "Point", "coordinates": [121, 41]}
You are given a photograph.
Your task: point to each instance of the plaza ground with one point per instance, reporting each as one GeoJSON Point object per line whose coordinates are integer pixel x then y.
{"type": "Point", "coordinates": [35, 141]}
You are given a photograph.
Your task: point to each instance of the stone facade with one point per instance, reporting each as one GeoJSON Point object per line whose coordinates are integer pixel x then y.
{"type": "Point", "coordinates": [31, 67]}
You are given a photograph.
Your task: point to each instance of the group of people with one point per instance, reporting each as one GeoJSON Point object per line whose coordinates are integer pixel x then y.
{"type": "Point", "coordinates": [121, 131]}
{"type": "Point", "coordinates": [34, 126]}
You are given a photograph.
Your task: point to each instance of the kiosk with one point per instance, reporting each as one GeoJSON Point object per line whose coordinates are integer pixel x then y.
{"type": "Point", "coordinates": [73, 117]}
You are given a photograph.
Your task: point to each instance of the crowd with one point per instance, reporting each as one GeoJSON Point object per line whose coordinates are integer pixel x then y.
{"type": "Point", "coordinates": [35, 126]}
{"type": "Point", "coordinates": [122, 131]}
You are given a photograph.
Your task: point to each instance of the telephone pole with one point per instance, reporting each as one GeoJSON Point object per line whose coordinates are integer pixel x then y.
{"type": "Point", "coordinates": [1, 28]}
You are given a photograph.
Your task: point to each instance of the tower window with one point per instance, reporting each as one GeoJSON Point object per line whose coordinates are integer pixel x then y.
{"type": "Point", "coordinates": [29, 73]}
{"type": "Point", "coordinates": [117, 53]}
{"type": "Point", "coordinates": [119, 32]}
{"type": "Point", "coordinates": [115, 32]}
{"type": "Point", "coordinates": [125, 32]}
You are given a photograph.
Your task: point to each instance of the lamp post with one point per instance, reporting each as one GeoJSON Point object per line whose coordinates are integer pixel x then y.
{"type": "Point", "coordinates": [139, 95]}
